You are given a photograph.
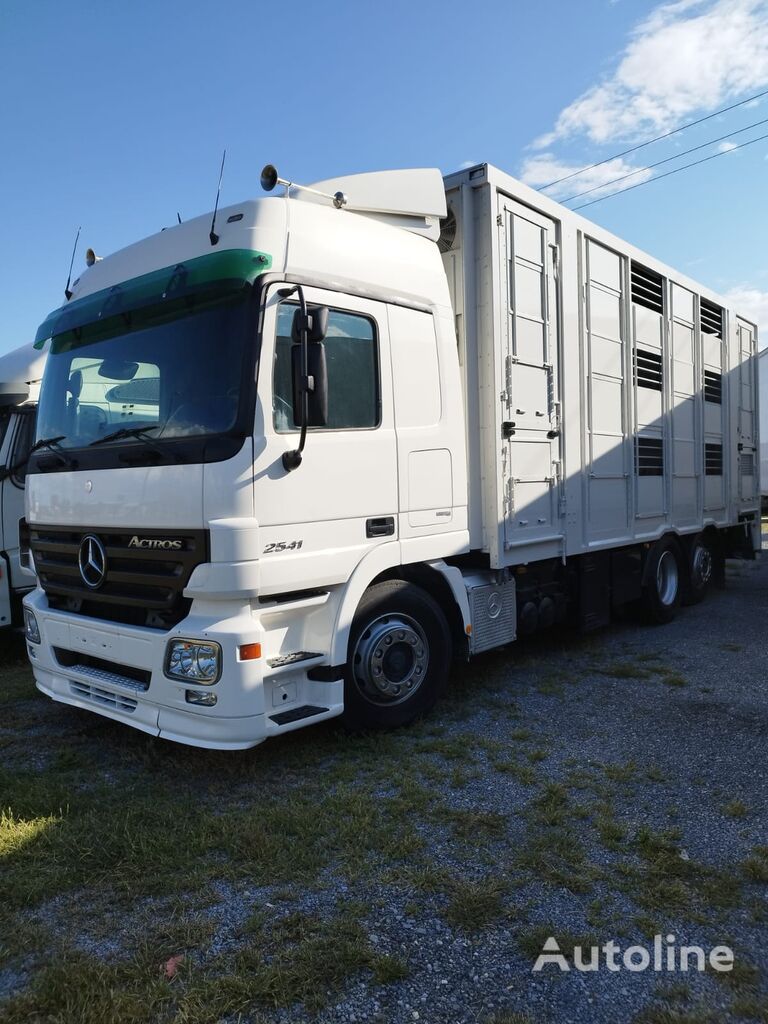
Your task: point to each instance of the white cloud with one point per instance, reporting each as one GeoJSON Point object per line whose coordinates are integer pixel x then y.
{"type": "Point", "coordinates": [543, 168]}
{"type": "Point", "coordinates": [688, 56]}
{"type": "Point", "coordinates": [751, 303]}
{"type": "Point", "coordinates": [726, 147]}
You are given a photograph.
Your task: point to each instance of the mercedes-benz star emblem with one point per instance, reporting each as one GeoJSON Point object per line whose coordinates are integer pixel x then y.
{"type": "Point", "coordinates": [92, 561]}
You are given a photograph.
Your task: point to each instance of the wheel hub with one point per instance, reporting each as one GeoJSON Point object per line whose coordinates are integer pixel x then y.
{"type": "Point", "coordinates": [702, 565]}
{"type": "Point", "coordinates": [390, 659]}
{"type": "Point", "coordinates": [667, 578]}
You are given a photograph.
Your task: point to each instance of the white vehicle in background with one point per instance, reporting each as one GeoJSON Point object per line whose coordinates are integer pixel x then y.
{"type": "Point", "coordinates": [293, 458]}
{"type": "Point", "coordinates": [20, 375]}
{"type": "Point", "coordinates": [763, 362]}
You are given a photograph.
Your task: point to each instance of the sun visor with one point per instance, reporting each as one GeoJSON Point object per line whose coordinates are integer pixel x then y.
{"type": "Point", "coordinates": [413, 199]}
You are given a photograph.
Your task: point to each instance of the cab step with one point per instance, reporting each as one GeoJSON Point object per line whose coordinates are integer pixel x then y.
{"type": "Point", "coordinates": [283, 660]}
{"type": "Point", "coordinates": [297, 714]}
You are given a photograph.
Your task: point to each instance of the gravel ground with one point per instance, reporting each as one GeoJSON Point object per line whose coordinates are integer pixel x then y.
{"type": "Point", "coordinates": [637, 754]}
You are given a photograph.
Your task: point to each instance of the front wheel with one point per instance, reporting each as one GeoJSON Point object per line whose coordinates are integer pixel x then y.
{"type": "Point", "coordinates": [661, 591]}
{"type": "Point", "coordinates": [399, 656]}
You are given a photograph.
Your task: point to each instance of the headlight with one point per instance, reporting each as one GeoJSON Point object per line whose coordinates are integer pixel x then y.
{"type": "Point", "coordinates": [195, 660]}
{"type": "Point", "coordinates": [30, 626]}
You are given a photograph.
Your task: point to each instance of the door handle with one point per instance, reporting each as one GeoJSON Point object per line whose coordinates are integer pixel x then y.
{"type": "Point", "coordinates": [384, 526]}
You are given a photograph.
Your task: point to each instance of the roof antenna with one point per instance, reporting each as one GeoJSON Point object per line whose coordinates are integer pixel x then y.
{"type": "Point", "coordinates": [213, 236]}
{"type": "Point", "coordinates": [67, 290]}
{"type": "Point", "coordinates": [178, 217]}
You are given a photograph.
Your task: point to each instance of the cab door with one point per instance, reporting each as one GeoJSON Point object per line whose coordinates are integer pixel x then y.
{"type": "Point", "coordinates": [317, 522]}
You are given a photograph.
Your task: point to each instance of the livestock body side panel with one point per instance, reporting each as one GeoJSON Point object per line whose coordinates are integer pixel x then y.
{"type": "Point", "coordinates": [619, 397]}
{"type": "Point", "coordinates": [529, 389]}
{"type": "Point", "coordinates": [747, 468]}
{"type": "Point", "coordinates": [605, 411]}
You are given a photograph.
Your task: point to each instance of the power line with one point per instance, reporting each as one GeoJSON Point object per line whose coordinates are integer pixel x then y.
{"type": "Point", "coordinates": [667, 174]}
{"type": "Point", "coordinates": [666, 160]}
{"type": "Point", "coordinates": [666, 135]}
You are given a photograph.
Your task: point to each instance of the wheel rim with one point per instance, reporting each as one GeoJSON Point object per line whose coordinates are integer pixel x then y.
{"type": "Point", "coordinates": [701, 568]}
{"type": "Point", "coordinates": [667, 577]}
{"type": "Point", "coordinates": [390, 659]}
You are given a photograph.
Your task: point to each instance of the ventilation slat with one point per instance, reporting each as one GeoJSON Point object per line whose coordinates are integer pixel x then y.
{"type": "Point", "coordinates": [647, 288]}
{"type": "Point", "coordinates": [649, 456]}
{"type": "Point", "coordinates": [713, 459]}
{"type": "Point", "coordinates": [711, 318]}
{"type": "Point", "coordinates": [713, 387]}
{"type": "Point", "coordinates": [648, 369]}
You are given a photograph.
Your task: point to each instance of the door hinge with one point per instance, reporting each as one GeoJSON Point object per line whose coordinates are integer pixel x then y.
{"type": "Point", "coordinates": [499, 220]}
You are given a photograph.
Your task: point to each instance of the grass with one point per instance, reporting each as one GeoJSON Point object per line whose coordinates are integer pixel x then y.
{"type": "Point", "coordinates": [736, 809]}
{"type": "Point", "coordinates": [472, 905]}
{"type": "Point", "coordinates": [755, 867]}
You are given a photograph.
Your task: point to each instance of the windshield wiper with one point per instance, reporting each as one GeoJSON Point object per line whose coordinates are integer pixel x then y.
{"type": "Point", "coordinates": [141, 432]}
{"type": "Point", "coordinates": [52, 443]}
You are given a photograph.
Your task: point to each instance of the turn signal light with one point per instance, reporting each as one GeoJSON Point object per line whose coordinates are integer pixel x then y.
{"type": "Point", "coordinates": [250, 652]}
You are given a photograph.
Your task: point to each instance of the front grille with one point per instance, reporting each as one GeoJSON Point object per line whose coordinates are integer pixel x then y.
{"type": "Point", "coordinates": [143, 586]}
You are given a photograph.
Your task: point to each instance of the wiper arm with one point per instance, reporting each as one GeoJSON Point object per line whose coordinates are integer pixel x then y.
{"type": "Point", "coordinates": [52, 443]}
{"type": "Point", "coordinates": [48, 442]}
{"type": "Point", "coordinates": [141, 432]}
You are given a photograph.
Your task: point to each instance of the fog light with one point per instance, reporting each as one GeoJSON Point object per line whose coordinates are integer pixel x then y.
{"type": "Point", "coordinates": [197, 661]}
{"type": "Point", "coordinates": [30, 626]}
{"type": "Point", "coordinates": [205, 697]}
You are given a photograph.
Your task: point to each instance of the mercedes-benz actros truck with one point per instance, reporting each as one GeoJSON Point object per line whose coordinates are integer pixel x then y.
{"type": "Point", "coordinates": [293, 460]}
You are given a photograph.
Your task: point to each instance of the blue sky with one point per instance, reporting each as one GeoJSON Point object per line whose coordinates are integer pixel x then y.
{"type": "Point", "coordinates": [114, 116]}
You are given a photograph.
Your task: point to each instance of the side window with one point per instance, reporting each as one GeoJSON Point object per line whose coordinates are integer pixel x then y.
{"type": "Point", "coordinates": [25, 434]}
{"type": "Point", "coordinates": [351, 356]}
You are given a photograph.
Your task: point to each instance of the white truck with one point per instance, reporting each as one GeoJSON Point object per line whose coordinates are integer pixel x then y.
{"type": "Point", "coordinates": [294, 459]}
{"type": "Point", "coordinates": [763, 392]}
{"type": "Point", "coordinates": [20, 375]}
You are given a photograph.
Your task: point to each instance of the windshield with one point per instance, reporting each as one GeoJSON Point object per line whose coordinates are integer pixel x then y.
{"type": "Point", "coordinates": [174, 378]}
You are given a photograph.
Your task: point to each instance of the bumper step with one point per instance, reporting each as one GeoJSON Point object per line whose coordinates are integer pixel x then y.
{"type": "Point", "coordinates": [297, 714]}
{"type": "Point", "coordinates": [283, 660]}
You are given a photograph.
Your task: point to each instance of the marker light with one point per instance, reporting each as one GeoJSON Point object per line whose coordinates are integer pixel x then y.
{"type": "Point", "coordinates": [197, 661]}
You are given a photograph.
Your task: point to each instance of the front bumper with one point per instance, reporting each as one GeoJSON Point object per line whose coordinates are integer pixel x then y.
{"type": "Point", "coordinates": [256, 698]}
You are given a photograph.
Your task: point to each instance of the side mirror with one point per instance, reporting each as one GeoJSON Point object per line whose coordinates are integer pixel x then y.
{"type": "Point", "coordinates": [317, 324]}
{"type": "Point", "coordinates": [317, 384]}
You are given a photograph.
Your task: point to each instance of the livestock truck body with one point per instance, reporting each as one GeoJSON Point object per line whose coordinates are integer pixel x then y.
{"type": "Point", "coordinates": [20, 373]}
{"type": "Point", "coordinates": [293, 459]}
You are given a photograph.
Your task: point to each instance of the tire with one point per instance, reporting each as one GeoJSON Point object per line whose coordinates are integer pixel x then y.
{"type": "Point", "coordinates": [399, 657]}
{"type": "Point", "coordinates": [701, 570]}
{"type": "Point", "coordinates": [663, 576]}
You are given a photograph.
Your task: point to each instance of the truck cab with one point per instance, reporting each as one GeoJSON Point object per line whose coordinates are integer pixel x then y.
{"type": "Point", "coordinates": [20, 374]}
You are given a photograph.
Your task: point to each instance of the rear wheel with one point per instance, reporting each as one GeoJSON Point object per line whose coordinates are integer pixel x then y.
{"type": "Point", "coordinates": [661, 591]}
{"type": "Point", "coordinates": [701, 570]}
{"type": "Point", "coordinates": [399, 656]}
